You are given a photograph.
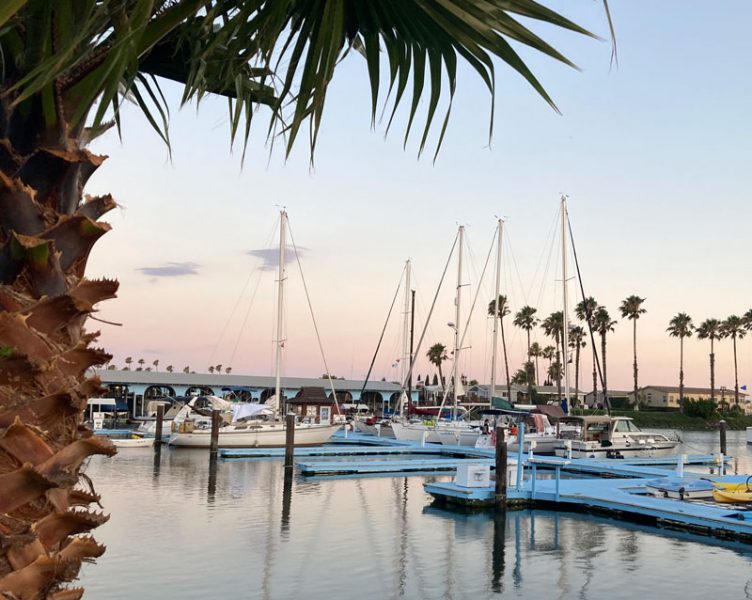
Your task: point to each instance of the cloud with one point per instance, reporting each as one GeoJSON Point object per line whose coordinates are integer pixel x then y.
{"type": "Point", "coordinates": [270, 256]}
{"type": "Point", "coordinates": [173, 269]}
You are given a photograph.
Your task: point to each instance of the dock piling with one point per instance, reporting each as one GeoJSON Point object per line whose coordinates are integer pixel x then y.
{"type": "Point", "coordinates": [160, 421]}
{"type": "Point", "coordinates": [501, 469]}
{"type": "Point", "coordinates": [214, 434]}
{"type": "Point", "coordinates": [289, 440]}
{"type": "Point", "coordinates": [722, 428]}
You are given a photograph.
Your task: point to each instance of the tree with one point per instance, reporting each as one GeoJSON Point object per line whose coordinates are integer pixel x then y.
{"type": "Point", "coordinates": [577, 342]}
{"type": "Point", "coordinates": [156, 364]}
{"type": "Point", "coordinates": [585, 311]}
{"type": "Point", "coordinates": [553, 326]}
{"type": "Point", "coordinates": [169, 368]}
{"type": "Point", "coordinates": [228, 370]}
{"type": "Point", "coordinates": [502, 311]}
{"type": "Point", "coordinates": [67, 68]}
{"type": "Point", "coordinates": [211, 369]}
{"type": "Point", "coordinates": [186, 369]}
{"type": "Point", "coordinates": [535, 352]}
{"type": "Point", "coordinates": [218, 369]}
{"type": "Point", "coordinates": [435, 380]}
{"type": "Point", "coordinates": [437, 355]}
{"type": "Point", "coordinates": [631, 308]}
{"type": "Point", "coordinates": [548, 353]}
{"type": "Point", "coordinates": [710, 329]}
{"type": "Point", "coordinates": [141, 362]}
{"type": "Point", "coordinates": [681, 326]}
{"type": "Point", "coordinates": [733, 327]}
{"type": "Point", "coordinates": [525, 319]}
{"type": "Point", "coordinates": [602, 323]}
{"type": "Point", "coordinates": [128, 362]}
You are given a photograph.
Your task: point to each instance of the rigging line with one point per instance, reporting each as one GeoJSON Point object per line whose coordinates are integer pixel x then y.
{"type": "Point", "coordinates": [313, 318]}
{"type": "Point", "coordinates": [549, 239]}
{"type": "Point", "coordinates": [544, 278]}
{"type": "Point", "coordinates": [430, 312]}
{"type": "Point", "coordinates": [588, 317]}
{"type": "Point", "coordinates": [381, 337]}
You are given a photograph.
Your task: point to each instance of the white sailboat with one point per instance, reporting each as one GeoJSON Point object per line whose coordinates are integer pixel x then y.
{"type": "Point", "coordinates": [256, 430]}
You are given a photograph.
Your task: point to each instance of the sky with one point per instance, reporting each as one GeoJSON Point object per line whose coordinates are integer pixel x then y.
{"type": "Point", "coordinates": [653, 153]}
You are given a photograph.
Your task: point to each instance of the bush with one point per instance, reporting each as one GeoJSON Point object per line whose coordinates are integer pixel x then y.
{"type": "Point", "coordinates": [704, 409]}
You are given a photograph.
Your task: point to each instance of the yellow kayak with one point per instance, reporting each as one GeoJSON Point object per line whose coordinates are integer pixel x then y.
{"type": "Point", "coordinates": [740, 495]}
{"type": "Point", "coordinates": [731, 487]}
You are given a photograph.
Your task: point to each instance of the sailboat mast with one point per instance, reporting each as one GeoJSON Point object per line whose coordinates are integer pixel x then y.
{"type": "Point", "coordinates": [496, 316]}
{"type": "Point", "coordinates": [280, 308]}
{"type": "Point", "coordinates": [457, 299]}
{"type": "Point", "coordinates": [565, 319]}
{"type": "Point", "coordinates": [405, 360]}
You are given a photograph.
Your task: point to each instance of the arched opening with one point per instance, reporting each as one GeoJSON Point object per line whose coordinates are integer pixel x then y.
{"type": "Point", "coordinates": [374, 400]}
{"type": "Point", "coordinates": [158, 391]}
{"type": "Point", "coordinates": [199, 390]}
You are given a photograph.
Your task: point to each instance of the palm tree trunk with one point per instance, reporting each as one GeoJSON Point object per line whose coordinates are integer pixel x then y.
{"type": "Point", "coordinates": [634, 346]}
{"type": "Point", "coordinates": [47, 231]}
{"type": "Point", "coordinates": [712, 371]}
{"type": "Point", "coordinates": [506, 361]}
{"type": "Point", "coordinates": [595, 381]}
{"type": "Point", "coordinates": [441, 379]}
{"type": "Point", "coordinates": [529, 383]}
{"type": "Point", "coordinates": [537, 376]}
{"type": "Point", "coordinates": [558, 374]}
{"type": "Point", "coordinates": [736, 377]}
{"type": "Point", "coordinates": [605, 379]}
{"type": "Point", "coordinates": [681, 374]}
{"type": "Point", "coordinates": [577, 375]}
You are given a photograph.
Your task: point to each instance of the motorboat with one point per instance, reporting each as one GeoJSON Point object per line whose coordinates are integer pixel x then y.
{"type": "Point", "coordinates": [749, 435]}
{"type": "Point", "coordinates": [609, 437]}
{"type": "Point", "coordinates": [134, 441]}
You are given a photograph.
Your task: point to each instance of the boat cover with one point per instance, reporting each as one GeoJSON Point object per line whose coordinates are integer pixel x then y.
{"type": "Point", "coordinates": [247, 411]}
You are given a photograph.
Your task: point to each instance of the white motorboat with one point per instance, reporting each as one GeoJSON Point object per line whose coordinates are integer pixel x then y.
{"type": "Point", "coordinates": [610, 437]}
{"type": "Point", "coordinates": [749, 435]}
{"type": "Point", "coordinates": [135, 441]}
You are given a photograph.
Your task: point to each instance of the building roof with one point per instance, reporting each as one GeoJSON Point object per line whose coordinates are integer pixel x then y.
{"type": "Point", "coordinates": [612, 393]}
{"type": "Point", "coordinates": [219, 380]}
{"type": "Point", "coordinates": [311, 395]}
{"type": "Point", "coordinates": [688, 391]}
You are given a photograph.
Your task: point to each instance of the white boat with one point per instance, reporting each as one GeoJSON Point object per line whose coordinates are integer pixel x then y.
{"type": "Point", "coordinates": [252, 425]}
{"type": "Point", "coordinates": [135, 441]}
{"type": "Point", "coordinates": [610, 437]}
{"type": "Point", "coordinates": [749, 435]}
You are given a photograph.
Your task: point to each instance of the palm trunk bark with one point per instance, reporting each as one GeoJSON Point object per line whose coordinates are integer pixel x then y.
{"type": "Point", "coordinates": [736, 377]}
{"type": "Point", "coordinates": [605, 378]}
{"type": "Point", "coordinates": [47, 230]}
{"type": "Point", "coordinates": [558, 374]}
{"type": "Point", "coordinates": [595, 381]}
{"type": "Point", "coordinates": [527, 371]}
{"type": "Point", "coordinates": [577, 375]}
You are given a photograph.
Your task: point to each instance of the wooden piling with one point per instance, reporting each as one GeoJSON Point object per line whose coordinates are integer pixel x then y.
{"type": "Point", "coordinates": [722, 428]}
{"type": "Point", "coordinates": [158, 431]}
{"type": "Point", "coordinates": [289, 440]}
{"type": "Point", "coordinates": [214, 433]}
{"type": "Point", "coordinates": [501, 469]}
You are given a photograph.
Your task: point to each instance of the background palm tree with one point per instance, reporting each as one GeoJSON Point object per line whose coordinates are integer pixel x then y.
{"type": "Point", "coordinates": [548, 353]}
{"type": "Point", "coordinates": [211, 369]}
{"type": "Point", "coordinates": [436, 355]}
{"type": "Point", "coordinates": [602, 323]}
{"type": "Point", "coordinates": [710, 329]}
{"type": "Point", "coordinates": [503, 311]}
{"type": "Point", "coordinates": [553, 326]}
{"type": "Point", "coordinates": [169, 368]}
{"type": "Point", "coordinates": [535, 352]}
{"type": "Point", "coordinates": [631, 308]}
{"type": "Point", "coordinates": [681, 326]}
{"type": "Point", "coordinates": [141, 362]}
{"type": "Point", "coordinates": [577, 342]}
{"type": "Point", "coordinates": [186, 369]}
{"type": "Point", "coordinates": [733, 327]}
{"type": "Point", "coordinates": [585, 311]}
{"type": "Point", "coordinates": [526, 319]}
{"type": "Point", "coordinates": [69, 65]}
{"type": "Point", "coordinates": [228, 370]}
{"type": "Point", "coordinates": [128, 362]}
{"type": "Point", "coordinates": [156, 364]}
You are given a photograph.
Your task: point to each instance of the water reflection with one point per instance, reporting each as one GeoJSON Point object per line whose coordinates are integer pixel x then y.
{"type": "Point", "coordinates": [211, 485]}
{"type": "Point", "coordinates": [286, 502]}
{"type": "Point", "coordinates": [497, 554]}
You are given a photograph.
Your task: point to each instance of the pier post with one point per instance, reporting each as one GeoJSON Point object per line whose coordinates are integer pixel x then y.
{"type": "Point", "coordinates": [501, 469]}
{"type": "Point", "coordinates": [160, 421]}
{"type": "Point", "coordinates": [289, 440]}
{"type": "Point", "coordinates": [722, 427]}
{"type": "Point", "coordinates": [214, 434]}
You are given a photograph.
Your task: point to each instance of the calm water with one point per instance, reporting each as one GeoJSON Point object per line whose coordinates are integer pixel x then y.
{"type": "Point", "coordinates": [180, 529]}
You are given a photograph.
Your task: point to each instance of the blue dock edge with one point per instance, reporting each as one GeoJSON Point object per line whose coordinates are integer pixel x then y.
{"type": "Point", "coordinates": [624, 498]}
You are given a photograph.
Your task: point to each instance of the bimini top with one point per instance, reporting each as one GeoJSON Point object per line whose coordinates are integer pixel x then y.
{"type": "Point", "coordinates": [587, 419]}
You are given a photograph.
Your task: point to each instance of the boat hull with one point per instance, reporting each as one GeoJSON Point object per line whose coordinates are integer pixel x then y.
{"type": "Point", "coordinates": [580, 450]}
{"type": "Point", "coordinates": [136, 442]}
{"type": "Point", "coordinates": [257, 437]}
{"type": "Point", "coordinates": [749, 435]}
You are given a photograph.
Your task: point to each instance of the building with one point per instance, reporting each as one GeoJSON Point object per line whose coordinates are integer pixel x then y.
{"type": "Point", "coordinates": [137, 388]}
{"type": "Point", "coordinates": [544, 393]}
{"type": "Point", "coordinates": [617, 398]}
{"type": "Point", "coordinates": [667, 397]}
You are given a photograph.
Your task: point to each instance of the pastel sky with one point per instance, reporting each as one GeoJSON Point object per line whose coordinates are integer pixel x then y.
{"type": "Point", "coordinates": [655, 155]}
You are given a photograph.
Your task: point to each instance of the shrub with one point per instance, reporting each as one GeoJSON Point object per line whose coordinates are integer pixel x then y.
{"type": "Point", "coordinates": [704, 409]}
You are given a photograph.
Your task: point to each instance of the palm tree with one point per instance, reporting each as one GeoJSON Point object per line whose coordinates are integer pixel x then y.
{"type": "Point", "coordinates": [211, 369]}
{"type": "Point", "coordinates": [548, 353]}
{"type": "Point", "coordinates": [526, 319]}
{"type": "Point", "coordinates": [631, 308]}
{"type": "Point", "coordinates": [577, 342]}
{"type": "Point", "coordinates": [535, 352]}
{"type": "Point", "coordinates": [436, 355]}
{"type": "Point", "coordinates": [503, 311]}
{"type": "Point", "coordinates": [169, 368]}
{"type": "Point", "coordinates": [602, 323]}
{"type": "Point", "coordinates": [585, 311]}
{"type": "Point", "coordinates": [553, 326]}
{"type": "Point", "coordinates": [128, 362]}
{"type": "Point", "coordinates": [66, 69]}
{"type": "Point", "coordinates": [218, 369]}
{"type": "Point", "coordinates": [681, 326]}
{"type": "Point", "coordinates": [228, 370]}
{"type": "Point", "coordinates": [186, 369]}
{"type": "Point", "coordinates": [156, 364]}
{"type": "Point", "coordinates": [710, 329]}
{"type": "Point", "coordinates": [733, 327]}
{"type": "Point", "coordinates": [141, 362]}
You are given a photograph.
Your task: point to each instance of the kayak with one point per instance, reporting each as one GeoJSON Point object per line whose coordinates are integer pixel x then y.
{"type": "Point", "coordinates": [735, 496]}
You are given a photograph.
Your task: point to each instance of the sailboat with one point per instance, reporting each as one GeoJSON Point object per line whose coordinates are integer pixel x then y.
{"type": "Point", "coordinates": [255, 428]}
